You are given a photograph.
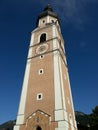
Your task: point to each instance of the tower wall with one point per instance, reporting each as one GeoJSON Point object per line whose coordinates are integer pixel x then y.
{"type": "Point", "coordinates": [46, 99]}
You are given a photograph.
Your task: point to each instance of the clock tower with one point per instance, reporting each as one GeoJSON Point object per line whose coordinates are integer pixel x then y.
{"type": "Point", "coordinates": [46, 100]}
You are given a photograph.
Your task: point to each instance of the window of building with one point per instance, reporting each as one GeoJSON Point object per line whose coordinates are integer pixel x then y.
{"type": "Point", "coordinates": [8, 129]}
{"type": "Point", "coordinates": [43, 37]}
{"type": "Point", "coordinates": [40, 71]}
{"type": "Point", "coordinates": [38, 128]}
{"type": "Point", "coordinates": [52, 21]}
{"type": "Point", "coordinates": [43, 21]}
{"type": "Point", "coordinates": [39, 96]}
{"type": "Point", "coordinates": [42, 56]}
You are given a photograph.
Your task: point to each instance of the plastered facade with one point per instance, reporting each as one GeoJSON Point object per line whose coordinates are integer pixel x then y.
{"type": "Point", "coordinates": [46, 100]}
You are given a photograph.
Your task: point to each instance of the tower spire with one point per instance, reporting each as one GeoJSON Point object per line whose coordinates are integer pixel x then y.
{"type": "Point", "coordinates": [48, 11]}
{"type": "Point", "coordinates": [48, 8]}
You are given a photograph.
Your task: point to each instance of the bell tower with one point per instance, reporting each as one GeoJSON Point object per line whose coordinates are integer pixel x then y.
{"type": "Point", "coordinates": [46, 100]}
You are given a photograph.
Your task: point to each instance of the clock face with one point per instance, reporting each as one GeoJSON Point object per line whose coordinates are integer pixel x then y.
{"type": "Point", "coordinates": [41, 49]}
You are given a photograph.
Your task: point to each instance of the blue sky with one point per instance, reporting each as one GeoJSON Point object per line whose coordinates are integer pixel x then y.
{"type": "Point", "coordinates": [79, 25]}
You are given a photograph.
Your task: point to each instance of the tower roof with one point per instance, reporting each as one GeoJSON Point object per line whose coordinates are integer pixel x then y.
{"type": "Point", "coordinates": [47, 11]}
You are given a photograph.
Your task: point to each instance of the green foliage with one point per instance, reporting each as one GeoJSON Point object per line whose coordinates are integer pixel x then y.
{"type": "Point", "coordinates": [90, 122]}
{"type": "Point", "coordinates": [95, 111]}
{"type": "Point", "coordinates": [94, 117]}
{"type": "Point", "coordinates": [82, 118]}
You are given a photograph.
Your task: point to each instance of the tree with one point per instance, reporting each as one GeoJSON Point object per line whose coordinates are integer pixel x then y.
{"type": "Point", "coordinates": [94, 118]}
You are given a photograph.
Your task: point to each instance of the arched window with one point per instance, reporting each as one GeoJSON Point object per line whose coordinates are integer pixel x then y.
{"type": "Point", "coordinates": [38, 128]}
{"type": "Point", "coordinates": [43, 37]}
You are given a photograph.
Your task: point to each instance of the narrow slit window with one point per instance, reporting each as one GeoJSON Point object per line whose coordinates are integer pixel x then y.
{"type": "Point", "coordinates": [39, 96]}
{"type": "Point", "coordinates": [42, 56]}
{"type": "Point", "coordinates": [40, 71]}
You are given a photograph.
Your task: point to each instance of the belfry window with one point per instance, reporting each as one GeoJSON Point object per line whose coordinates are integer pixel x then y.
{"type": "Point", "coordinates": [43, 21]}
{"type": "Point", "coordinates": [52, 21]}
{"type": "Point", "coordinates": [43, 37]}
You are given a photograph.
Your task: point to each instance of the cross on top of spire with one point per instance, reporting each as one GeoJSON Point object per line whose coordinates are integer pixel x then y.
{"type": "Point", "coordinates": [48, 8]}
